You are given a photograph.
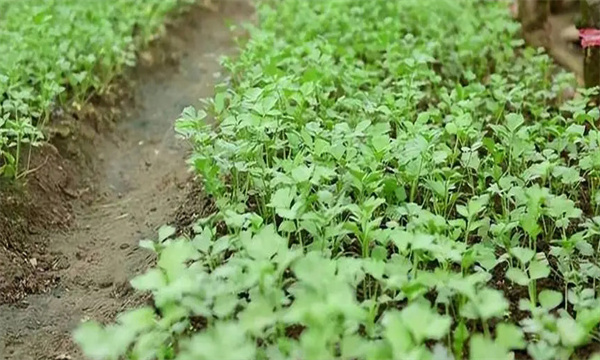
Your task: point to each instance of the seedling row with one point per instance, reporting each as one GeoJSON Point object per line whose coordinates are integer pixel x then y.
{"type": "Point", "coordinates": [394, 180]}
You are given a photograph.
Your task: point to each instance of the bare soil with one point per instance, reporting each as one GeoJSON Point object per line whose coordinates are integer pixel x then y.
{"type": "Point", "coordinates": [67, 253]}
{"type": "Point", "coordinates": [26, 211]}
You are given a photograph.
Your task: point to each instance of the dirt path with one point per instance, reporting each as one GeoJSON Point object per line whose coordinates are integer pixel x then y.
{"type": "Point", "coordinates": [142, 173]}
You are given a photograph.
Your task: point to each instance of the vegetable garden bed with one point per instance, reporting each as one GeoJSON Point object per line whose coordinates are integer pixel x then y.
{"type": "Point", "coordinates": [394, 180]}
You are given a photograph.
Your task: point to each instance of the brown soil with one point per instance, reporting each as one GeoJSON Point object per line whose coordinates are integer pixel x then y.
{"type": "Point", "coordinates": [62, 178]}
{"type": "Point", "coordinates": [26, 211]}
{"type": "Point", "coordinates": [68, 251]}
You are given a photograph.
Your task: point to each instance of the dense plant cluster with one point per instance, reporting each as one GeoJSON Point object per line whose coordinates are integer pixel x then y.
{"type": "Point", "coordinates": [59, 50]}
{"type": "Point", "coordinates": [394, 180]}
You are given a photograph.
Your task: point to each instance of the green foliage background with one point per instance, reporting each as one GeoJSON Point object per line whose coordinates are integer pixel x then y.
{"type": "Point", "coordinates": [55, 51]}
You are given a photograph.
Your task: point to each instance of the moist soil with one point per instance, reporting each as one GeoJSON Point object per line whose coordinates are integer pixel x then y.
{"type": "Point", "coordinates": [69, 236]}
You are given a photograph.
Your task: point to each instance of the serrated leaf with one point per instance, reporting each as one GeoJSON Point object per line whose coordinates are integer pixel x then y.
{"type": "Point", "coordinates": [488, 303]}
{"type": "Point", "coordinates": [424, 323]}
{"type": "Point", "coordinates": [265, 244]}
{"type": "Point", "coordinates": [139, 319]}
{"type": "Point", "coordinates": [173, 257]}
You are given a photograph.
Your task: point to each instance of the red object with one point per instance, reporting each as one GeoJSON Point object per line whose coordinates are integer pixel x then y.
{"type": "Point", "coordinates": [589, 37]}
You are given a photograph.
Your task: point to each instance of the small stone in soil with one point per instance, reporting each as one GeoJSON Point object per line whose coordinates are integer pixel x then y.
{"type": "Point", "coordinates": [124, 246]}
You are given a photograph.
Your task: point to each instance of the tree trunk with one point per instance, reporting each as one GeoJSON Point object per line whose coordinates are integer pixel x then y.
{"type": "Point", "coordinates": [533, 15]}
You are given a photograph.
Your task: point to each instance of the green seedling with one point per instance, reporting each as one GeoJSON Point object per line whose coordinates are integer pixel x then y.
{"type": "Point", "coordinates": [375, 168]}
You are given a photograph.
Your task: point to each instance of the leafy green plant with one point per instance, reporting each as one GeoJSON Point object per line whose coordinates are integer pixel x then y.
{"type": "Point", "coordinates": [388, 175]}
{"type": "Point", "coordinates": [58, 52]}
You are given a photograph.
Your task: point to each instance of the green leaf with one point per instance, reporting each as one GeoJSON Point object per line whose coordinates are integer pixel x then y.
{"type": "Point", "coordinates": [220, 102]}
{"type": "Point", "coordinates": [462, 210]}
{"type": "Point", "coordinates": [397, 333]}
{"type": "Point", "coordinates": [257, 316]}
{"type": "Point", "coordinates": [224, 340]}
{"type": "Point", "coordinates": [529, 223]}
{"type": "Point", "coordinates": [460, 336]}
{"type": "Point", "coordinates": [584, 248]}
{"type": "Point", "coordinates": [451, 128]}
{"type": "Point", "coordinates": [482, 348]}
{"type": "Point", "coordinates": [282, 198]}
{"type": "Point", "coordinates": [139, 319]}
{"type": "Point", "coordinates": [173, 257]}
{"type": "Point", "coordinates": [424, 323]}
{"type": "Point", "coordinates": [301, 173]}
{"type": "Point", "coordinates": [415, 148]}
{"type": "Point", "coordinates": [103, 343]}
{"type": "Point", "coordinates": [487, 304]}
{"type": "Point", "coordinates": [92, 339]}
{"type": "Point", "coordinates": [571, 333]}
{"type": "Point", "coordinates": [203, 241]}
{"type": "Point", "coordinates": [524, 255]}
{"type": "Point", "coordinates": [287, 226]}
{"type": "Point", "coordinates": [374, 268]}
{"type": "Point", "coordinates": [233, 219]}
{"type": "Point", "coordinates": [148, 244]}
{"type": "Point", "coordinates": [379, 253]}
{"type": "Point", "coordinates": [153, 279]}
{"type": "Point", "coordinates": [514, 121]}
{"type": "Point", "coordinates": [517, 276]}
{"type": "Point", "coordinates": [549, 299]}
{"type": "Point", "coordinates": [510, 336]}
{"type": "Point", "coordinates": [354, 347]}
{"type": "Point", "coordinates": [538, 270]}
{"type": "Point", "coordinates": [265, 244]}
{"type": "Point", "coordinates": [165, 232]}
{"type": "Point", "coordinates": [225, 304]}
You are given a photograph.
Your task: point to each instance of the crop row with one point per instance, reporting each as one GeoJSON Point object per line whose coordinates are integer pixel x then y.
{"type": "Point", "coordinates": [56, 51]}
{"type": "Point", "coordinates": [394, 180]}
